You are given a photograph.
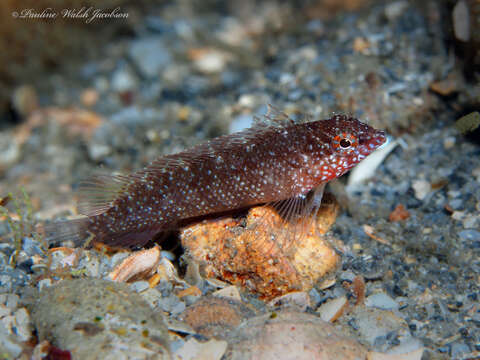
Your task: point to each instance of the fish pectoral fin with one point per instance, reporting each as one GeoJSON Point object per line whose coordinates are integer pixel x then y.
{"type": "Point", "coordinates": [296, 218]}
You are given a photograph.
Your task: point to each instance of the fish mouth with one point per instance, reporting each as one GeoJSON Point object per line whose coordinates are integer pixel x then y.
{"type": "Point", "coordinates": [379, 138]}
{"type": "Point", "coordinates": [375, 140]}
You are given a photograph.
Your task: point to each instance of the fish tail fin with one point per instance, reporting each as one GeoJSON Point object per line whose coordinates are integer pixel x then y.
{"type": "Point", "coordinates": [75, 230]}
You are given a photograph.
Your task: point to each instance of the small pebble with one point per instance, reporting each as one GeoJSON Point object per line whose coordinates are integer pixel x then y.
{"type": "Point", "coordinates": [150, 56]}
{"type": "Point", "coordinates": [102, 84]}
{"type": "Point", "coordinates": [168, 303]}
{"type": "Point", "coordinates": [230, 292]}
{"type": "Point", "coordinates": [25, 100]}
{"type": "Point", "coordinates": [333, 309]}
{"type": "Point", "coordinates": [151, 296]}
{"type": "Point", "coordinates": [421, 188]}
{"type": "Point", "coordinates": [98, 151]}
{"type": "Point", "coordinates": [449, 142]}
{"type": "Point", "coordinates": [91, 262]}
{"type": "Point", "coordinates": [178, 308]}
{"type": "Point", "coordinates": [4, 311]}
{"type": "Point", "coordinates": [247, 100]}
{"type": "Point", "coordinates": [410, 345]}
{"type": "Point", "coordinates": [9, 300]}
{"type": "Point", "coordinates": [22, 324]}
{"type": "Point", "coordinates": [476, 173]}
{"type": "Point", "coordinates": [458, 349]}
{"type": "Point", "coordinates": [31, 246]}
{"type": "Point", "coordinates": [12, 280]}
{"type": "Point", "coordinates": [139, 286]}
{"type": "Point", "coordinates": [471, 221]}
{"type": "Point", "coordinates": [118, 258]}
{"type": "Point", "coordinates": [298, 300]}
{"type": "Point", "coordinates": [123, 79]}
{"type": "Point", "coordinates": [9, 150]}
{"type": "Point", "coordinates": [211, 62]}
{"type": "Point", "coordinates": [316, 27]}
{"type": "Point", "coordinates": [381, 301]}
{"type": "Point", "coordinates": [193, 350]}
{"type": "Point", "coordinates": [347, 275]}
{"type": "Point", "coordinates": [469, 235]}
{"type": "Point", "coordinates": [6, 248]}
{"type": "Point", "coordinates": [372, 324]}
{"type": "Point", "coordinates": [395, 9]}
{"type": "Point", "coordinates": [461, 21]}
{"type": "Point", "coordinates": [10, 348]}
{"type": "Point", "coordinates": [454, 193]}
{"type": "Point", "coordinates": [458, 215]}
{"type": "Point", "coordinates": [140, 263]}
{"type": "Point", "coordinates": [44, 283]}
{"type": "Point", "coordinates": [89, 97]}
{"type": "Point", "coordinates": [456, 204]}
{"type": "Point", "coordinates": [168, 255]}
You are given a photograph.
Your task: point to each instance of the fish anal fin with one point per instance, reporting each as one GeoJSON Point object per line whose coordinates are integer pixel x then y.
{"type": "Point", "coordinates": [128, 239]}
{"type": "Point", "coordinates": [97, 193]}
{"type": "Point", "coordinates": [77, 231]}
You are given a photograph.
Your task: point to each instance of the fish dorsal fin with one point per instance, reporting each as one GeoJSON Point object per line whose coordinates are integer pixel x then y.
{"type": "Point", "coordinates": [200, 153]}
{"type": "Point", "coordinates": [163, 164]}
{"type": "Point", "coordinates": [278, 118]}
{"type": "Point", "coordinates": [273, 117]}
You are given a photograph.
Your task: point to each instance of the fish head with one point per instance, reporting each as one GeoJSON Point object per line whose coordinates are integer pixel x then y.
{"type": "Point", "coordinates": [346, 142]}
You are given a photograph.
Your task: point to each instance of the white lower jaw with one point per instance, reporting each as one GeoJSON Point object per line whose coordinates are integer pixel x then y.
{"type": "Point", "coordinates": [367, 168]}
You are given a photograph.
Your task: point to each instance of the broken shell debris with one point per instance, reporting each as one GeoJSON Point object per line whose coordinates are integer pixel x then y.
{"type": "Point", "coordinates": [140, 263]}
{"type": "Point", "coordinates": [253, 260]}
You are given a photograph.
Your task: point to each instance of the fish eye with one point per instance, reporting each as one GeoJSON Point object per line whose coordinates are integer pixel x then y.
{"type": "Point", "coordinates": [344, 142]}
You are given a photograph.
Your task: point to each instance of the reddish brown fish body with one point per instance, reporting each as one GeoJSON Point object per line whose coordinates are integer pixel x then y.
{"type": "Point", "coordinates": [260, 165]}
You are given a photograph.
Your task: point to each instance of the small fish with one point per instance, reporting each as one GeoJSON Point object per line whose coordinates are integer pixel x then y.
{"type": "Point", "coordinates": [277, 161]}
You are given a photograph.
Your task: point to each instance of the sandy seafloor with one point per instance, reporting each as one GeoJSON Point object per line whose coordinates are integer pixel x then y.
{"type": "Point", "coordinates": [187, 72]}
